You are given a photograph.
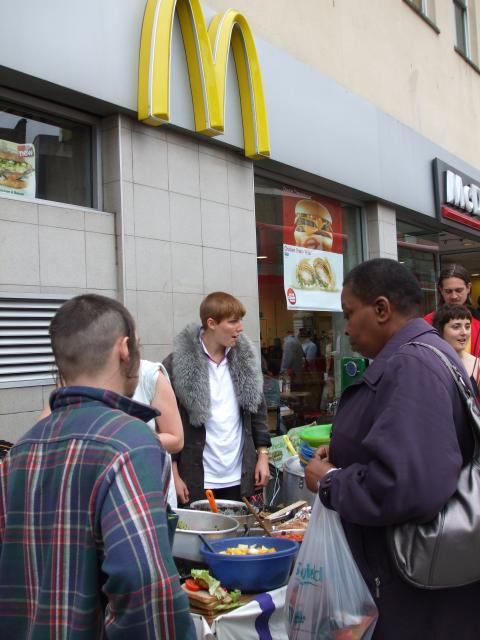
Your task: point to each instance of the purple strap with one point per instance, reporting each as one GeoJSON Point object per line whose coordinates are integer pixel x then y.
{"type": "Point", "coordinates": [267, 607]}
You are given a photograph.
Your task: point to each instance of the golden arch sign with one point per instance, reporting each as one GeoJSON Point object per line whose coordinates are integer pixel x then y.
{"type": "Point", "coordinates": [207, 53]}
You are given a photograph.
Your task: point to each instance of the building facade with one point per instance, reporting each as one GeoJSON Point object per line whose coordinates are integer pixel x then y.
{"type": "Point", "coordinates": [363, 101]}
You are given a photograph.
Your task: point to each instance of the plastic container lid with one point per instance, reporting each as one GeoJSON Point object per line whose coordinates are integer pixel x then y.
{"type": "Point", "coordinates": [316, 435]}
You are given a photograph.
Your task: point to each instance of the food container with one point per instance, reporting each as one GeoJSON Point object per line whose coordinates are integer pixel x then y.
{"type": "Point", "coordinates": [232, 508]}
{"type": "Point", "coordinates": [214, 526]}
{"type": "Point", "coordinates": [252, 574]}
{"type": "Point", "coordinates": [316, 435]}
{"type": "Point", "coordinates": [293, 482]}
{"type": "Point", "coordinates": [290, 534]}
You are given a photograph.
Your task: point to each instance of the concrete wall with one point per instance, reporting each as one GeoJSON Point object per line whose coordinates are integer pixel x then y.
{"type": "Point", "coordinates": [384, 52]}
{"type": "Point", "coordinates": [51, 249]}
{"type": "Point", "coordinates": [182, 211]}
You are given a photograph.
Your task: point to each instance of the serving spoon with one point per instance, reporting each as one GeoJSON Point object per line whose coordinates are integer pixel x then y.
{"type": "Point", "coordinates": [206, 543]}
{"type": "Point", "coordinates": [211, 500]}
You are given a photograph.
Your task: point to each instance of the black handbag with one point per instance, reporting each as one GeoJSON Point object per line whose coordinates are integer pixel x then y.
{"type": "Point", "coordinates": [445, 552]}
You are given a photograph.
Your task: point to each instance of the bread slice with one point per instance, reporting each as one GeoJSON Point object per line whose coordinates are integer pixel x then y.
{"type": "Point", "coordinates": [201, 599]}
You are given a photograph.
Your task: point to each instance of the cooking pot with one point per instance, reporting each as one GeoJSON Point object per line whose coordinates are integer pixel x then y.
{"type": "Point", "coordinates": [293, 483]}
{"type": "Point", "coordinates": [214, 526]}
{"type": "Point", "coordinates": [231, 508]}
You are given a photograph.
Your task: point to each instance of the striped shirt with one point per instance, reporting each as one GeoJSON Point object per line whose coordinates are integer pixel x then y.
{"type": "Point", "coordinates": [84, 550]}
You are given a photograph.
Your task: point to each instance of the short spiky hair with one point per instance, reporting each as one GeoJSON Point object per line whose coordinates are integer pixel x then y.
{"type": "Point", "coordinates": [84, 330]}
{"type": "Point", "coordinates": [388, 278]}
{"type": "Point", "coordinates": [220, 306]}
{"type": "Point", "coordinates": [450, 312]}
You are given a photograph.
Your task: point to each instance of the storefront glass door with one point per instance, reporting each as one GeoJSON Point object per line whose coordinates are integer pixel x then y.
{"type": "Point", "coordinates": [306, 243]}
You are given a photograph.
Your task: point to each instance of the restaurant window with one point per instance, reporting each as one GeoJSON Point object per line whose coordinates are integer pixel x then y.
{"type": "Point", "coordinates": [461, 26]}
{"type": "Point", "coordinates": [425, 9]}
{"type": "Point", "coordinates": [426, 252]}
{"type": "Point", "coordinates": [45, 156]}
{"type": "Point", "coordinates": [418, 250]}
{"type": "Point", "coordinates": [466, 27]}
{"type": "Point", "coordinates": [306, 243]}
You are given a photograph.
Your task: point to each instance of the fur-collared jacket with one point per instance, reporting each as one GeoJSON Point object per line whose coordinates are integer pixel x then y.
{"type": "Point", "coordinates": [187, 367]}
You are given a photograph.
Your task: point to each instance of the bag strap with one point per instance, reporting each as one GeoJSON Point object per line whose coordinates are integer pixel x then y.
{"type": "Point", "coordinates": [465, 392]}
{"type": "Point", "coordinates": [476, 343]}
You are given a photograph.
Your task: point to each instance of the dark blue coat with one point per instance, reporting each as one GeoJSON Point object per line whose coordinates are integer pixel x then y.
{"type": "Point", "coordinates": [400, 438]}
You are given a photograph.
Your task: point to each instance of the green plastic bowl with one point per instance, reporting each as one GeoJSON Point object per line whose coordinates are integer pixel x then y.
{"type": "Point", "coordinates": [316, 435]}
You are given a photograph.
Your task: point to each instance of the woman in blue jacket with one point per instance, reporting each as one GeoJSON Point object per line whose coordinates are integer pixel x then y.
{"type": "Point", "coordinates": [399, 441]}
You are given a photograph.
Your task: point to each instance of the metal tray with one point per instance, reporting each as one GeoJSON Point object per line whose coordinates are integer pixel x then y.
{"type": "Point", "coordinates": [232, 508]}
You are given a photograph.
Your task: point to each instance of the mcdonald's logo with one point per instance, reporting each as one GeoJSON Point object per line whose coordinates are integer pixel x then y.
{"type": "Point", "coordinates": [207, 53]}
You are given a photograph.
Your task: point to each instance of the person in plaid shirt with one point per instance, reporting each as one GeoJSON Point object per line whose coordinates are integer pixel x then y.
{"type": "Point", "coordinates": [84, 549]}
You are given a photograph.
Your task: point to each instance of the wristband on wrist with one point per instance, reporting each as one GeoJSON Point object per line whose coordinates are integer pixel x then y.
{"type": "Point", "coordinates": [262, 450]}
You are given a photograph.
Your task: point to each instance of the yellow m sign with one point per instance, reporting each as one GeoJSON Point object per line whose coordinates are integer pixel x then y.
{"type": "Point", "coordinates": [207, 58]}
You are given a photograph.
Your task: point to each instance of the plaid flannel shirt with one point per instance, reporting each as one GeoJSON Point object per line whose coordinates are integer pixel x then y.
{"type": "Point", "coordinates": [84, 550]}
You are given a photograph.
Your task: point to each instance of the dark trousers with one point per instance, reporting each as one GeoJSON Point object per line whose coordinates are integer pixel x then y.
{"type": "Point", "coordinates": [228, 493]}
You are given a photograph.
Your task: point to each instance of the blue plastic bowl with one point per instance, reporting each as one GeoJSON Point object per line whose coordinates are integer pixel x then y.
{"type": "Point", "coordinates": [252, 574]}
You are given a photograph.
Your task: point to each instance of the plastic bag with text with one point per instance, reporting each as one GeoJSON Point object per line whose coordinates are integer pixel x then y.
{"type": "Point", "coordinates": [327, 598]}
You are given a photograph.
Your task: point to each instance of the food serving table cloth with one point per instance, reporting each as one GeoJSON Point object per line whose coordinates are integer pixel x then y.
{"type": "Point", "coordinates": [259, 619]}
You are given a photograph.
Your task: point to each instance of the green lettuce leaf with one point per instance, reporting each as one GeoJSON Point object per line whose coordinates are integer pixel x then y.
{"type": "Point", "coordinates": [215, 588]}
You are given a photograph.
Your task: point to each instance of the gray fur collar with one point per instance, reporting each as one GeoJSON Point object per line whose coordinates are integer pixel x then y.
{"type": "Point", "coordinates": [190, 374]}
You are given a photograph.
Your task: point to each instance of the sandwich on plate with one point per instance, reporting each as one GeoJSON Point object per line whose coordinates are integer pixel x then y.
{"type": "Point", "coordinates": [205, 592]}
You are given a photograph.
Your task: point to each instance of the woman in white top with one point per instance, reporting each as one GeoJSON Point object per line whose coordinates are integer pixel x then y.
{"type": "Point", "coordinates": [154, 388]}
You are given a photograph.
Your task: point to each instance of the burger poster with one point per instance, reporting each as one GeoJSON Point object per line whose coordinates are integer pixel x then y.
{"type": "Point", "coordinates": [17, 168]}
{"type": "Point", "coordinates": [312, 251]}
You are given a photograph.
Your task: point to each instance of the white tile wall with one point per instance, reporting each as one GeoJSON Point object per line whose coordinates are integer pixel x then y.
{"type": "Point", "coordinates": [154, 318]}
{"type": "Point", "coordinates": [130, 262]}
{"type": "Point", "coordinates": [155, 352]}
{"type": "Point", "coordinates": [149, 161]}
{"type": "Point", "coordinates": [215, 225]}
{"type": "Point", "coordinates": [217, 270]}
{"type": "Point", "coordinates": [31, 399]}
{"type": "Point", "coordinates": [240, 185]}
{"type": "Point", "coordinates": [153, 262]}
{"type": "Point", "coordinates": [100, 256]}
{"type": "Point", "coordinates": [187, 268]}
{"type": "Point", "coordinates": [110, 162]}
{"type": "Point", "coordinates": [100, 222]}
{"type": "Point", "coordinates": [19, 253]}
{"type": "Point", "coordinates": [14, 424]}
{"type": "Point", "coordinates": [381, 231]}
{"type": "Point", "coordinates": [244, 274]}
{"type": "Point", "coordinates": [213, 178]}
{"type": "Point", "coordinates": [183, 170]}
{"type": "Point", "coordinates": [185, 219]}
{"type": "Point", "coordinates": [18, 211]}
{"type": "Point", "coordinates": [151, 212]}
{"type": "Point", "coordinates": [62, 257]}
{"type": "Point", "coordinates": [242, 230]}
{"type": "Point", "coordinates": [62, 218]}
{"type": "Point", "coordinates": [185, 310]}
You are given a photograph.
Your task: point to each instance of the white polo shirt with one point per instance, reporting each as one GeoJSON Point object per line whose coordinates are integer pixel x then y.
{"type": "Point", "coordinates": [222, 455]}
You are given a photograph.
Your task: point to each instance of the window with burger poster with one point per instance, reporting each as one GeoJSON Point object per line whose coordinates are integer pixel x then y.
{"type": "Point", "coordinates": [312, 251]}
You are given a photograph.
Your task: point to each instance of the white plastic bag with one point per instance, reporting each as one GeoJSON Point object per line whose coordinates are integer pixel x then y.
{"type": "Point", "coordinates": [327, 598]}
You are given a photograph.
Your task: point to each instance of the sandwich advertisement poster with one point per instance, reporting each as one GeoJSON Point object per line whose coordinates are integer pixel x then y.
{"type": "Point", "coordinates": [17, 168]}
{"type": "Point", "coordinates": [312, 251]}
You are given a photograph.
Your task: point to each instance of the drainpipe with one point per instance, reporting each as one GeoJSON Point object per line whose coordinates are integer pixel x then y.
{"type": "Point", "coordinates": [120, 221]}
